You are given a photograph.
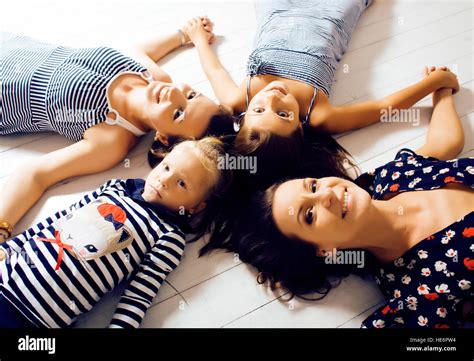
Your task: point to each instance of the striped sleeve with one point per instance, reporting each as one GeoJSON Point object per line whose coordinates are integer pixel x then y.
{"type": "Point", "coordinates": [162, 258]}
{"type": "Point", "coordinates": [16, 243]}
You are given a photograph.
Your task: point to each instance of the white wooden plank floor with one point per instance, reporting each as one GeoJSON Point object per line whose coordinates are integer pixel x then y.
{"type": "Point", "coordinates": [392, 42]}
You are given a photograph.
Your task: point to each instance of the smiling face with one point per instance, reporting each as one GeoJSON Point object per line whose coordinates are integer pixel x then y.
{"type": "Point", "coordinates": [273, 109]}
{"type": "Point", "coordinates": [178, 110]}
{"type": "Point", "coordinates": [326, 212]}
{"type": "Point", "coordinates": [180, 181]}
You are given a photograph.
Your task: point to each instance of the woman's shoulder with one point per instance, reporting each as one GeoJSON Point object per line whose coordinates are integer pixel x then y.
{"type": "Point", "coordinates": [411, 171]}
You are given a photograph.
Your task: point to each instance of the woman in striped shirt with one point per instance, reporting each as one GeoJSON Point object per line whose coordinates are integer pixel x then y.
{"type": "Point", "coordinates": [61, 267]}
{"type": "Point", "coordinates": [99, 98]}
{"type": "Point", "coordinates": [297, 49]}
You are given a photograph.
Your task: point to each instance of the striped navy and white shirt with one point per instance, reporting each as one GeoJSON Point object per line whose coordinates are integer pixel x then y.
{"type": "Point", "coordinates": [61, 267]}
{"type": "Point", "coordinates": [46, 87]}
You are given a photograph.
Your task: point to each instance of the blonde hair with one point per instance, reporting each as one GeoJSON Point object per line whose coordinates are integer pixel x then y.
{"type": "Point", "coordinates": [209, 151]}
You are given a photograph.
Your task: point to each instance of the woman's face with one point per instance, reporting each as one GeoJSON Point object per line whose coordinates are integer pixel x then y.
{"type": "Point", "coordinates": [273, 109]}
{"type": "Point", "coordinates": [178, 110]}
{"type": "Point", "coordinates": [326, 212]}
{"type": "Point", "coordinates": [180, 182]}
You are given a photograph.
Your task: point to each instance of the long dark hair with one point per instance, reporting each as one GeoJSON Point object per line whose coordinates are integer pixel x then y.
{"type": "Point", "coordinates": [305, 153]}
{"type": "Point", "coordinates": [287, 264]}
{"type": "Point", "coordinates": [280, 157]}
{"type": "Point", "coordinates": [220, 124]}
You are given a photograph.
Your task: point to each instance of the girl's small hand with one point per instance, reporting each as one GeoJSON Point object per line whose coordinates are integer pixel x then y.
{"type": "Point", "coordinates": [199, 29]}
{"type": "Point", "coordinates": [2, 255]}
{"type": "Point", "coordinates": [443, 77]}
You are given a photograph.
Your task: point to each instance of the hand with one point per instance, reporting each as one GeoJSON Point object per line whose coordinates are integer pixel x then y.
{"type": "Point", "coordinates": [443, 77]}
{"type": "Point", "coordinates": [199, 29]}
{"type": "Point", "coordinates": [2, 255]}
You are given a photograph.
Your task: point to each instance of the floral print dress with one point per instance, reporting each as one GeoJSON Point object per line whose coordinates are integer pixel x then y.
{"type": "Point", "coordinates": [429, 284]}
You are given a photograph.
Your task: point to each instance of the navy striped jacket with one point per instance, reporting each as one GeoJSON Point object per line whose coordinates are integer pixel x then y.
{"type": "Point", "coordinates": [61, 267]}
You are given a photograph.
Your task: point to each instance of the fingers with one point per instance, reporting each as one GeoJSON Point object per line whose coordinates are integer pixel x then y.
{"type": "Point", "coordinates": [207, 23]}
{"type": "Point", "coordinates": [203, 21]}
{"type": "Point", "coordinates": [429, 69]}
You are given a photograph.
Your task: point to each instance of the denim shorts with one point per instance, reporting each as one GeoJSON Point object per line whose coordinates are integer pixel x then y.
{"type": "Point", "coordinates": [303, 40]}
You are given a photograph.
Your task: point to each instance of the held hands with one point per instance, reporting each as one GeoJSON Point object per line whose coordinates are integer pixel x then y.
{"type": "Point", "coordinates": [443, 77]}
{"type": "Point", "coordinates": [199, 29]}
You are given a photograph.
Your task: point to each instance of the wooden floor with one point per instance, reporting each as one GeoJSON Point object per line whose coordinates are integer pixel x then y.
{"type": "Point", "coordinates": [392, 43]}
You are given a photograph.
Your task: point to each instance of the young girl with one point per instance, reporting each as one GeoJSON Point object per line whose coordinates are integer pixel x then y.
{"type": "Point", "coordinates": [413, 219]}
{"type": "Point", "coordinates": [297, 48]}
{"type": "Point", "coordinates": [61, 267]}
{"type": "Point", "coordinates": [99, 98]}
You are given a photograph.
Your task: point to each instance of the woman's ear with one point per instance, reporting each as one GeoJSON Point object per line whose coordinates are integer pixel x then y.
{"type": "Point", "coordinates": [162, 138]}
{"type": "Point", "coordinates": [198, 208]}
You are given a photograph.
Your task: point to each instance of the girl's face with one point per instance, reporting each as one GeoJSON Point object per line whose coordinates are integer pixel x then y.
{"type": "Point", "coordinates": [326, 212]}
{"type": "Point", "coordinates": [273, 109]}
{"type": "Point", "coordinates": [180, 182]}
{"type": "Point", "coordinates": [178, 110]}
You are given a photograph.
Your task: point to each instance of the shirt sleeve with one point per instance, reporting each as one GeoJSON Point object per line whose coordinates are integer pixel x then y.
{"type": "Point", "coordinates": [16, 243]}
{"type": "Point", "coordinates": [430, 313]}
{"type": "Point", "coordinates": [144, 285]}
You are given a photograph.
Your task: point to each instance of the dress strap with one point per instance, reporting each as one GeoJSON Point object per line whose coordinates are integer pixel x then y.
{"type": "Point", "coordinates": [238, 119]}
{"type": "Point", "coordinates": [306, 119]}
{"type": "Point", "coordinates": [247, 95]}
{"type": "Point", "coordinates": [119, 120]}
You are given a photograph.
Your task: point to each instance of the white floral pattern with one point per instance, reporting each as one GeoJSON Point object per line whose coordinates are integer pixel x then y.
{"type": "Point", "coordinates": [406, 279]}
{"type": "Point", "coordinates": [424, 285]}
{"type": "Point", "coordinates": [422, 254]}
{"type": "Point", "coordinates": [422, 321]}
{"type": "Point", "coordinates": [464, 285]}
{"type": "Point", "coordinates": [425, 271]}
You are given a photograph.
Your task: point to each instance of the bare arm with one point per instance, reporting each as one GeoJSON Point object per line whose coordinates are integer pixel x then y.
{"type": "Point", "coordinates": [444, 120]}
{"type": "Point", "coordinates": [355, 116]}
{"type": "Point", "coordinates": [226, 90]}
{"type": "Point", "coordinates": [27, 184]}
{"type": "Point", "coordinates": [150, 52]}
